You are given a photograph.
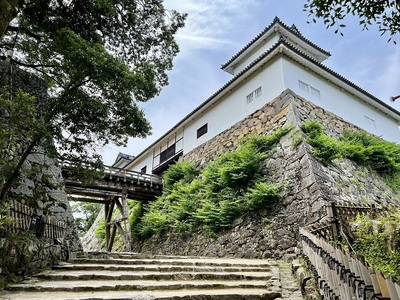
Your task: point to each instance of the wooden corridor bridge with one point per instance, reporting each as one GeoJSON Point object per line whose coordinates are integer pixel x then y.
{"type": "Point", "coordinates": [113, 190]}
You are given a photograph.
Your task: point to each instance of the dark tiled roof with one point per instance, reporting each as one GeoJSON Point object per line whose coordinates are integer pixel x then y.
{"type": "Point", "coordinates": [276, 20]}
{"type": "Point", "coordinates": [123, 156]}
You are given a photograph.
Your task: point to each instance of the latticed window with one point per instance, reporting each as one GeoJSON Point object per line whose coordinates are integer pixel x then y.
{"type": "Point", "coordinates": [303, 86]}
{"type": "Point", "coordinates": [309, 89]}
{"type": "Point", "coordinates": [202, 130]}
{"type": "Point", "coordinates": [167, 153]}
{"type": "Point", "coordinates": [254, 95]}
{"type": "Point", "coordinates": [249, 98]}
{"type": "Point", "coordinates": [258, 92]}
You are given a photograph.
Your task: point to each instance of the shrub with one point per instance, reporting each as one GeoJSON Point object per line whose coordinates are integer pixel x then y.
{"type": "Point", "coordinates": [135, 213]}
{"type": "Point", "coordinates": [100, 231]}
{"type": "Point", "coordinates": [234, 168]}
{"type": "Point", "coordinates": [262, 196]}
{"type": "Point", "coordinates": [181, 171]}
{"type": "Point", "coordinates": [153, 221]}
{"type": "Point", "coordinates": [227, 188]}
{"type": "Point", "coordinates": [379, 242]}
{"type": "Point", "coordinates": [263, 143]}
{"type": "Point", "coordinates": [216, 213]}
{"type": "Point", "coordinates": [362, 148]}
{"type": "Point", "coordinates": [326, 149]}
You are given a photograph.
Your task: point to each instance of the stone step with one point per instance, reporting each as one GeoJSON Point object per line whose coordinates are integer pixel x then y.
{"type": "Point", "coordinates": [136, 285]}
{"type": "Point", "coordinates": [181, 262]}
{"type": "Point", "coordinates": [134, 255]}
{"type": "Point", "coordinates": [291, 289]}
{"type": "Point", "coordinates": [192, 294]}
{"type": "Point", "coordinates": [132, 276]}
{"type": "Point", "coordinates": [146, 275]}
{"type": "Point", "coordinates": [159, 268]}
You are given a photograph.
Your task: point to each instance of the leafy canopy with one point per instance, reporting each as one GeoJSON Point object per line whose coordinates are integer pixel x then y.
{"type": "Point", "coordinates": [384, 13]}
{"type": "Point", "coordinates": [98, 59]}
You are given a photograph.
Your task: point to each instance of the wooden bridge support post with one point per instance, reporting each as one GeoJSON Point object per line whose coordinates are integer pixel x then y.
{"type": "Point", "coordinates": [113, 225]}
{"type": "Point", "coordinates": [125, 210]}
{"type": "Point", "coordinates": [109, 208]}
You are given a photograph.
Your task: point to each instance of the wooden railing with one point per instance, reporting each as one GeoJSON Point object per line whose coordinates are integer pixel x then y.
{"type": "Point", "coordinates": [340, 274]}
{"type": "Point", "coordinates": [21, 217]}
{"type": "Point", "coordinates": [133, 176]}
{"type": "Point", "coordinates": [24, 218]}
{"type": "Point", "coordinates": [126, 175]}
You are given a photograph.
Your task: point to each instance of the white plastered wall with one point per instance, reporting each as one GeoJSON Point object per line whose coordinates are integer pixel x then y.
{"type": "Point", "coordinates": [340, 102]}
{"type": "Point", "coordinates": [255, 53]}
{"type": "Point", "coordinates": [233, 107]}
{"type": "Point", "coordinates": [230, 109]}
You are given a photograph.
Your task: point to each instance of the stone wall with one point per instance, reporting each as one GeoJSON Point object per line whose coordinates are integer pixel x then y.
{"type": "Point", "coordinates": [90, 242]}
{"type": "Point", "coordinates": [41, 187]}
{"type": "Point", "coordinates": [308, 186]}
{"type": "Point", "coordinates": [21, 80]}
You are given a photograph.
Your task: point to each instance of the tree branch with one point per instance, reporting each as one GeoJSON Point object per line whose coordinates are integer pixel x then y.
{"type": "Point", "coordinates": [2, 57]}
{"type": "Point", "coordinates": [9, 181]}
{"type": "Point", "coordinates": [9, 10]}
{"type": "Point", "coordinates": [25, 30]}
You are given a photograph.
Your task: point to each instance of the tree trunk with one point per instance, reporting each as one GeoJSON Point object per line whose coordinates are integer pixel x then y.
{"type": "Point", "coordinates": [8, 11]}
{"type": "Point", "coordinates": [9, 181]}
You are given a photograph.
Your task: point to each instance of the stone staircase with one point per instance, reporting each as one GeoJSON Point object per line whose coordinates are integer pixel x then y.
{"type": "Point", "coordinates": [128, 276]}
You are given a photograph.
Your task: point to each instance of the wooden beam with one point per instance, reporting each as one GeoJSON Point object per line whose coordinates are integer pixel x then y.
{"type": "Point", "coordinates": [106, 210]}
{"type": "Point", "coordinates": [110, 243]}
{"type": "Point", "coordinates": [125, 210]}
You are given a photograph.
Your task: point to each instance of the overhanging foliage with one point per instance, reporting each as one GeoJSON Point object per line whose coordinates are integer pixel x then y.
{"type": "Point", "coordinates": [386, 13]}
{"type": "Point", "coordinates": [98, 59]}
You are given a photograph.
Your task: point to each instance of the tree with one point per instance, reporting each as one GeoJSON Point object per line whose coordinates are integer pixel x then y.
{"type": "Point", "coordinates": [8, 10]}
{"type": "Point", "coordinates": [385, 13]}
{"type": "Point", "coordinates": [98, 59]}
{"type": "Point", "coordinates": [85, 213]}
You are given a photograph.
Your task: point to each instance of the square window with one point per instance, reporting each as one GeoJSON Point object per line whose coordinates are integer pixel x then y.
{"type": "Point", "coordinates": [315, 92]}
{"type": "Point", "coordinates": [202, 130]}
{"type": "Point", "coordinates": [303, 86]}
{"type": "Point", "coordinates": [258, 92]}
{"type": "Point", "coordinates": [249, 98]}
{"type": "Point", "coordinates": [143, 170]}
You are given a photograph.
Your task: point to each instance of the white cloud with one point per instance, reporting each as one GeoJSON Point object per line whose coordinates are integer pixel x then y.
{"type": "Point", "coordinates": [210, 22]}
{"type": "Point", "coordinates": [390, 76]}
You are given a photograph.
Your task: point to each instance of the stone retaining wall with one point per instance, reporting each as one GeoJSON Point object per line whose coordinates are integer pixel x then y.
{"type": "Point", "coordinates": [25, 253]}
{"type": "Point", "coordinates": [308, 186]}
{"type": "Point", "coordinates": [41, 187]}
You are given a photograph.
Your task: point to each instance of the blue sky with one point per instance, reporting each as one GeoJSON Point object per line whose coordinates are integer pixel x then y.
{"type": "Point", "coordinates": [216, 29]}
